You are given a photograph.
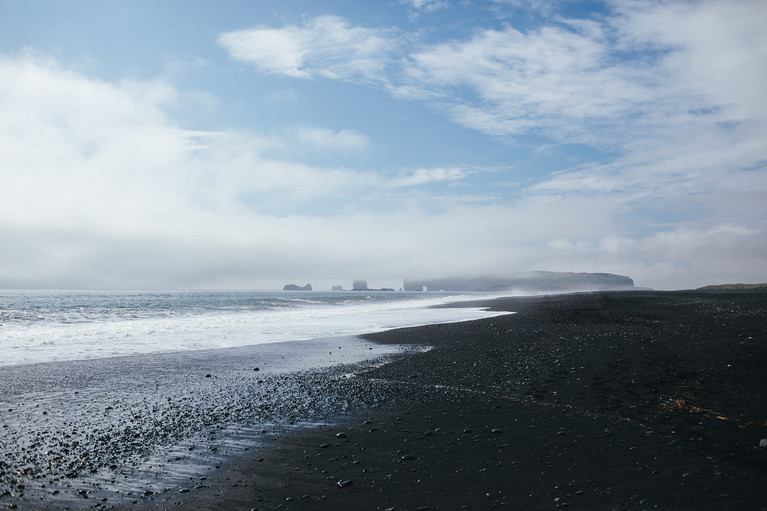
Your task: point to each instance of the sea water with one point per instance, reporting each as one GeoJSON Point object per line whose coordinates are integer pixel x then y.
{"type": "Point", "coordinates": [48, 326]}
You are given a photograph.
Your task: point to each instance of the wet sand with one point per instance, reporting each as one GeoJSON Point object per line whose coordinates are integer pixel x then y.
{"type": "Point", "coordinates": [641, 400]}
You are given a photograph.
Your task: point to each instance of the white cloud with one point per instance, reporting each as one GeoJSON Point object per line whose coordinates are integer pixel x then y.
{"type": "Point", "coordinates": [87, 160]}
{"type": "Point", "coordinates": [434, 175]}
{"type": "Point", "coordinates": [327, 46]}
{"type": "Point", "coordinates": [332, 140]}
{"type": "Point", "coordinates": [100, 187]}
{"type": "Point", "coordinates": [560, 79]}
{"type": "Point", "coordinates": [652, 74]}
{"type": "Point", "coordinates": [425, 4]}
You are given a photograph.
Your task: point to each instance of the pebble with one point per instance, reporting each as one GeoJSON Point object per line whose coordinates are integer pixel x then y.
{"type": "Point", "coordinates": [343, 483]}
{"type": "Point", "coordinates": [763, 443]}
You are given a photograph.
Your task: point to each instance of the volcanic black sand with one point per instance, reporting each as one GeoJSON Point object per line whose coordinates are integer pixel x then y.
{"type": "Point", "coordinates": [616, 400]}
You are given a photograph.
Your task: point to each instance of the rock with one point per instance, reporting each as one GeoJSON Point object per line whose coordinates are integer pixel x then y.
{"type": "Point", "coordinates": [294, 287]}
{"type": "Point", "coordinates": [341, 435]}
{"type": "Point", "coordinates": [343, 483]}
{"type": "Point", "coordinates": [763, 442]}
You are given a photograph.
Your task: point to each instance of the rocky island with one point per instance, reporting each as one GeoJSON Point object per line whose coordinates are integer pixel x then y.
{"type": "Point", "coordinates": [294, 287]}
{"type": "Point", "coordinates": [362, 285]}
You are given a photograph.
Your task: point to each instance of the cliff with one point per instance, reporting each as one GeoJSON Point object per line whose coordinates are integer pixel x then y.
{"type": "Point", "coordinates": [546, 281]}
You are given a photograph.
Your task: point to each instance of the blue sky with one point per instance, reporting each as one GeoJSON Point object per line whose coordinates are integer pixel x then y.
{"type": "Point", "coordinates": [250, 144]}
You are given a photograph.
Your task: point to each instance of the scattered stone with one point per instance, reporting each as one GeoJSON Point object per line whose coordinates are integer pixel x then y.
{"type": "Point", "coordinates": [341, 435]}
{"type": "Point", "coordinates": [763, 442]}
{"type": "Point", "coordinates": [343, 483]}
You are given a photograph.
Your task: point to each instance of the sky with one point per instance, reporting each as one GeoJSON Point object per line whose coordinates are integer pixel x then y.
{"type": "Point", "coordinates": [247, 145]}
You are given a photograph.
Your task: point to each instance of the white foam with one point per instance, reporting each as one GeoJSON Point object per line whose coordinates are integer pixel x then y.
{"type": "Point", "coordinates": [41, 341]}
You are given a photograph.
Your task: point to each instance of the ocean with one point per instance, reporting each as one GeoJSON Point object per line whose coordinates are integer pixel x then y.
{"type": "Point", "coordinates": [55, 325]}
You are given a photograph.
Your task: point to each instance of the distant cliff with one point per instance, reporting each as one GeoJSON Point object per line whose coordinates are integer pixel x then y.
{"type": "Point", "coordinates": [293, 287]}
{"type": "Point", "coordinates": [547, 281]}
{"type": "Point", "coordinates": [735, 287]}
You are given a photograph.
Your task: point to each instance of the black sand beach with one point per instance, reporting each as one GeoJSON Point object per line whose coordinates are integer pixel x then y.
{"type": "Point", "coordinates": [615, 400]}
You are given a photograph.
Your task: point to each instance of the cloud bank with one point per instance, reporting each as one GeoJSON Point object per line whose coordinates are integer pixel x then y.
{"type": "Point", "coordinates": [103, 187]}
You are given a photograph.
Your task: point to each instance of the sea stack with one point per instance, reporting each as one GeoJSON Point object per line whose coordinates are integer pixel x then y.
{"type": "Point", "coordinates": [294, 287]}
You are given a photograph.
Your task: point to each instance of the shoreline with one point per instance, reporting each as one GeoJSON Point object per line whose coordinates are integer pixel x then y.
{"type": "Point", "coordinates": [627, 400]}
{"type": "Point", "coordinates": [128, 428]}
